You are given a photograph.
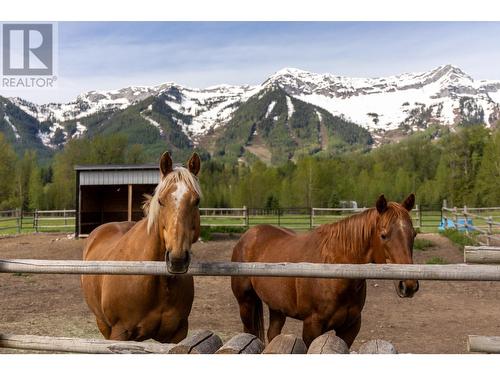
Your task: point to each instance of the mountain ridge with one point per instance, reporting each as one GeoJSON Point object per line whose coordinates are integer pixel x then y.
{"type": "Point", "coordinates": [185, 116]}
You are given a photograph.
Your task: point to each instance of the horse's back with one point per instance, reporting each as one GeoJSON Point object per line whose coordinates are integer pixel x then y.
{"type": "Point", "coordinates": [108, 235]}
{"type": "Point", "coordinates": [269, 243]}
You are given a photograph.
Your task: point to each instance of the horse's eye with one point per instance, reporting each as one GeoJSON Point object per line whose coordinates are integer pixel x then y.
{"type": "Point", "coordinates": [383, 236]}
{"type": "Point", "coordinates": [197, 202]}
{"type": "Point", "coordinates": [161, 204]}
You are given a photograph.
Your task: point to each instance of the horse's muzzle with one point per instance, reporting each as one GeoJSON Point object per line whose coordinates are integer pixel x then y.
{"type": "Point", "coordinates": [407, 288]}
{"type": "Point", "coordinates": [177, 265]}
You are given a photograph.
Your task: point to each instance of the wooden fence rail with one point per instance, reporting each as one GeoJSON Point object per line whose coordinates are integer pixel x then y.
{"type": "Point", "coordinates": [483, 344]}
{"type": "Point", "coordinates": [79, 345]}
{"type": "Point", "coordinates": [489, 227]}
{"type": "Point", "coordinates": [348, 271]}
{"type": "Point", "coordinates": [482, 254]}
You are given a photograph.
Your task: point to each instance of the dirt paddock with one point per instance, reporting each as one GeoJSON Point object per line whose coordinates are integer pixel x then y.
{"type": "Point", "coordinates": [437, 320]}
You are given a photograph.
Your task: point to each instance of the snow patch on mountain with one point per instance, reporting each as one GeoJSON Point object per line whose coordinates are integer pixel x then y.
{"type": "Point", "coordinates": [270, 108]}
{"type": "Point", "coordinates": [14, 129]}
{"type": "Point", "coordinates": [290, 107]}
{"type": "Point", "coordinates": [210, 107]}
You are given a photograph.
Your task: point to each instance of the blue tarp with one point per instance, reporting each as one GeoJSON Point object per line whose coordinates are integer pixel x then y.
{"type": "Point", "coordinates": [452, 225]}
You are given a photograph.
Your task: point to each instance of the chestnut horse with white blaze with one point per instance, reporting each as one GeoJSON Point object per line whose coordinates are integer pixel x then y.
{"type": "Point", "coordinates": [143, 307]}
{"type": "Point", "coordinates": [377, 235]}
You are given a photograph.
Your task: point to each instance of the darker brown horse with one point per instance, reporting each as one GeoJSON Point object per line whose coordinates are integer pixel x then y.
{"type": "Point", "coordinates": [143, 307]}
{"type": "Point", "coordinates": [377, 235]}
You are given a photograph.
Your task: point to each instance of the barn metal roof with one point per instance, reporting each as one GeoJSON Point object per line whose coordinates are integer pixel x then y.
{"type": "Point", "coordinates": [118, 174]}
{"type": "Point", "coordinates": [115, 167]}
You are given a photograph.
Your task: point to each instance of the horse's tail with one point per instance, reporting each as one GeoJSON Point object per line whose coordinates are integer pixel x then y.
{"type": "Point", "coordinates": [258, 319]}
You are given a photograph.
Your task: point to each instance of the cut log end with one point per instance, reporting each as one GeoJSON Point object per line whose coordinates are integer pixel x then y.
{"type": "Point", "coordinates": [244, 343]}
{"type": "Point", "coordinates": [199, 342]}
{"type": "Point", "coordinates": [377, 347]}
{"type": "Point", "coordinates": [286, 344]}
{"type": "Point", "coordinates": [328, 343]}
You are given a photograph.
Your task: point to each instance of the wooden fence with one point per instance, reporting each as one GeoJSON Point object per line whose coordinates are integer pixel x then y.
{"type": "Point", "coordinates": [224, 217]}
{"type": "Point", "coordinates": [210, 343]}
{"type": "Point", "coordinates": [198, 342]}
{"type": "Point", "coordinates": [346, 271]}
{"type": "Point", "coordinates": [487, 220]}
{"type": "Point", "coordinates": [11, 220]}
{"type": "Point", "coordinates": [19, 221]}
{"type": "Point", "coordinates": [62, 220]}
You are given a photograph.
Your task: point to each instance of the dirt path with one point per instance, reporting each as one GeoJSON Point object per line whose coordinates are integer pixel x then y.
{"type": "Point", "coordinates": [437, 320]}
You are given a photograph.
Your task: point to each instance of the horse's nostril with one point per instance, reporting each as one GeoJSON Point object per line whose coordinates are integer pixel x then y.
{"type": "Point", "coordinates": [402, 286]}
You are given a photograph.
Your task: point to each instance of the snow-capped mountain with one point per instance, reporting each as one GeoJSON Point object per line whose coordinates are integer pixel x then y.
{"type": "Point", "coordinates": [411, 101]}
{"type": "Point", "coordinates": [445, 95]}
{"type": "Point", "coordinates": [207, 108]}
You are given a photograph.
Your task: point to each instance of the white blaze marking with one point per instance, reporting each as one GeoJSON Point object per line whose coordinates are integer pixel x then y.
{"type": "Point", "coordinates": [179, 193]}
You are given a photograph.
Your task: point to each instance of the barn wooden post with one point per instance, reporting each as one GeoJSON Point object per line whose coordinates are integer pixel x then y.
{"type": "Point", "coordinates": [129, 205]}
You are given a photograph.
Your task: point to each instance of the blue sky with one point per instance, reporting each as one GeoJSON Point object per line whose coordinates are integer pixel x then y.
{"type": "Point", "coordinates": [112, 55]}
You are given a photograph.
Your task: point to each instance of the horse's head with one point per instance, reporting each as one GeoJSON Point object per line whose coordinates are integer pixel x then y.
{"type": "Point", "coordinates": [393, 240]}
{"type": "Point", "coordinates": [174, 210]}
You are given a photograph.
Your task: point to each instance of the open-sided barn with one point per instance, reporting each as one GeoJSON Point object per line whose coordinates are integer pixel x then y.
{"type": "Point", "coordinates": [106, 193]}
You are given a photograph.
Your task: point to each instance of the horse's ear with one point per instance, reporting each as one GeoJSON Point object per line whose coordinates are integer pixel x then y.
{"type": "Point", "coordinates": [165, 164]}
{"type": "Point", "coordinates": [194, 164]}
{"type": "Point", "coordinates": [409, 202]}
{"type": "Point", "coordinates": [381, 204]}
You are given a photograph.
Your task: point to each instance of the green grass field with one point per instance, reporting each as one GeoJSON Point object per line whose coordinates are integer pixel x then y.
{"type": "Point", "coordinates": [429, 222]}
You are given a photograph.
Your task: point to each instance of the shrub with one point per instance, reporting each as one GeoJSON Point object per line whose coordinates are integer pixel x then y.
{"type": "Point", "coordinates": [422, 244]}
{"type": "Point", "coordinates": [461, 239]}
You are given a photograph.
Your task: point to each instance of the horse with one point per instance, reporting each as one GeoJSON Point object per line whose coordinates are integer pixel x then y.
{"type": "Point", "coordinates": [377, 235]}
{"type": "Point", "coordinates": [143, 307]}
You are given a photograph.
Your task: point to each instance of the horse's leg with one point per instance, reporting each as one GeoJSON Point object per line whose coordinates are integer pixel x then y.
{"type": "Point", "coordinates": [103, 327]}
{"type": "Point", "coordinates": [119, 332]}
{"type": "Point", "coordinates": [349, 333]}
{"type": "Point", "coordinates": [312, 328]}
{"type": "Point", "coordinates": [276, 322]}
{"type": "Point", "coordinates": [250, 306]}
{"type": "Point", "coordinates": [181, 332]}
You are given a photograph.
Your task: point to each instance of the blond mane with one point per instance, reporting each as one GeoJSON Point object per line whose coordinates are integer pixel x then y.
{"type": "Point", "coordinates": [152, 206]}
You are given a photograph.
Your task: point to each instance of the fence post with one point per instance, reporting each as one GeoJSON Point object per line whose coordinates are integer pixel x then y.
{"type": "Point", "coordinates": [17, 220]}
{"type": "Point", "coordinates": [310, 217]}
{"type": "Point", "coordinates": [455, 216]}
{"type": "Point", "coordinates": [64, 215]}
{"type": "Point", "coordinates": [35, 220]}
{"type": "Point", "coordinates": [466, 225]}
{"type": "Point", "coordinates": [245, 209]}
{"type": "Point", "coordinates": [21, 214]}
{"type": "Point", "coordinates": [489, 221]}
{"type": "Point", "coordinates": [279, 216]}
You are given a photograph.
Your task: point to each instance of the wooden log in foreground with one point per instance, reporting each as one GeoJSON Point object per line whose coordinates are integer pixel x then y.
{"type": "Point", "coordinates": [481, 255]}
{"type": "Point", "coordinates": [483, 344]}
{"type": "Point", "coordinates": [377, 347]}
{"type": "Point", "coordinates": [243, 343]}
{"type": "Point", "coordinates": [199, 342]}
{"type": "Point", "coordinates": [328, 343]}
{"type": "Point", "coordinates": [78, 345]}
{"type": "Point", "coordinates": [349, 271]}
{"type": "Point", "coordinates": [286, 344]}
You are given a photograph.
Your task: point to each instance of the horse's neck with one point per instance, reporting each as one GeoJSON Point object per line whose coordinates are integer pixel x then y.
{"type": "Point", "coordinates": [149, 245]}
{"type": "Point", "coordinates": [353, 245]}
